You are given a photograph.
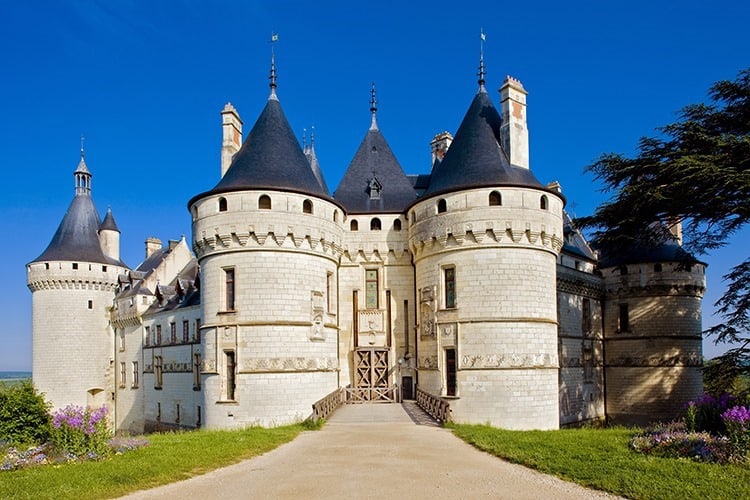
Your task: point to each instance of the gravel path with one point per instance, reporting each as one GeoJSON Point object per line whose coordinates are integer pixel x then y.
{"type": "Point", "coordinates": [374, 451]}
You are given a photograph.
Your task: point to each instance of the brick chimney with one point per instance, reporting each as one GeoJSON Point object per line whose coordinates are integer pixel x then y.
{"type": "Point", "coordinates": [231, 126]}
{"type": "Point", "coordinates": [440, 144]}
{"type": "Point", "coordinates": [514, 132]}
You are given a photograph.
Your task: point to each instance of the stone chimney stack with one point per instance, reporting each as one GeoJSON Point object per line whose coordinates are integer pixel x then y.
{"type": "Point", "coordinates": [440, 144]}
{"type": "Point", "coordinates": [231, 126]}
{"type": "Point", "coordinates": [514, 133]}
{"type": "Point", "coordinates": [152, 245]}
{"type": "Point", "coordinates": [675, 227]}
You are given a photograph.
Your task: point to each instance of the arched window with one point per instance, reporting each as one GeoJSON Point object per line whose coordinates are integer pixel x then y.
{"type": "Point", "coordinates": [307, 207]}
{"type": "Point", "coordinates": [543, 204]}
{"type": "Point", "coordinates": [335, 216]}
{"type": "Point", "coordinates": [264, 202]}
{"type": "Point", "coordinates": [222, 204]}
{"type": "Point", "coordinates": [354, 225]}
{"type": "Point", "coordinates": [375, 224]}
{"type": "Point", "coordinates": [657, 267]}
{"type": "Point", "coordinates": [495, 199]}
{"type": "Point", "coordinates": [397, 225]}
{"type": "Point", "coordinates": [442, 206]}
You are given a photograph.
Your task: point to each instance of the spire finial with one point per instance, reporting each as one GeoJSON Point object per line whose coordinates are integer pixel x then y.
{"type": "Point", "coordinates": [272, 77]}
{"type": "Point", "coordinates": [83, 152]}
{"type": "Point", "coordinates": [304, 139]}
{"type": "Point", "coordinates": [482, 37]}
{"type": "Point", "coordinates": [312, 137]}
{"type": "Point", "coordinates": [373, 107]}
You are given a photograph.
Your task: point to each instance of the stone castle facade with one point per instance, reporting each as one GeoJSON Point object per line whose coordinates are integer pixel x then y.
{"type": "Point", "coordinates": [469, 282]}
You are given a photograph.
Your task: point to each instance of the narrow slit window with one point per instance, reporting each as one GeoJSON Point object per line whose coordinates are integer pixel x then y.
{"type": "Point", "coordinates": [230, 375]}
{"type": "Point", "coordinates": [543, 203]}
{"type": "Point", "coordinates": [371, 289]}
{"type": "Point", "coordinates": [450, 287]}
{"type": "Point", "coordinates": [624, 319]}
{"type": "Point", "coordinates": [229, 289]}
{"type": "Point", "coordinates": [222, 204]}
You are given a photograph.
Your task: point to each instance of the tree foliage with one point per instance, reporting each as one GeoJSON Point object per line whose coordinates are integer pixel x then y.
{"type": "Point", "coordinates": [24, 414]}
{"type": "Point", "coordinates": [696, 172]}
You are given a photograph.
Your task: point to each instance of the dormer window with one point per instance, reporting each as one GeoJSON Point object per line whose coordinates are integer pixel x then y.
{"type": "Point", "coordinates": [374, 187]}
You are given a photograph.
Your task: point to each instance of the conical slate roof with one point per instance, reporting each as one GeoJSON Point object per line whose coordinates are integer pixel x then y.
{"type": "Point", "coordinates": [109, 222]}
{"type": "Point", "coordinates": [475, 158]}
{"type": "Point", "coordinates": [76, 239]}
{"type": "Point", "coordinates": [315, 166]}
{"type": "Point", "coordinates": [270, 158]}
{"type": "Point", "coordinates": [374, 162]}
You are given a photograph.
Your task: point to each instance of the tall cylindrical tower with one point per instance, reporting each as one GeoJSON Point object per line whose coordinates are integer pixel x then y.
{"type": "Point", "coordinates": [73, 284]}
{"type": "Point", "coordinates": [268, 239]}
{"type": "Point", "coordinates": [485, 238]}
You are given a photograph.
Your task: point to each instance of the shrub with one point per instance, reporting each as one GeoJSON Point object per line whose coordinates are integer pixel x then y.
{"type": "Point", "coordinates": [704, 414]}
{"type": "Point", "coordinates": [24, 414]}
{"type": "Point", "coordinates": [737, 423]}
{"type": "Point", "coordinates": [81, 431]}
{"type": "Point", "coordinates": [673, 440]}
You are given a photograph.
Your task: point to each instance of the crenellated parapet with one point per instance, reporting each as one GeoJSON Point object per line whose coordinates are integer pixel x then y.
{"type": "Point", "coordinates": [63, 276]}
{"type": "Point", "coordinates": [655, 279]}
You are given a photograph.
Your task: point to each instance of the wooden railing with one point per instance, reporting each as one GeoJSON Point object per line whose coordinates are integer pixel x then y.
{"type": "Point", "coordinates": [436, 407]}
{"type": "Point", "coordinates": [324, 407]}
{"type": "Point", "coordinates": [389, 394]}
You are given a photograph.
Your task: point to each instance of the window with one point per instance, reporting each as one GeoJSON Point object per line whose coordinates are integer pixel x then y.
{"type": "Point", "coordinates": [264, 202]}
{"type": "Point", "coordinates": [229, 289]}
{"type": "Point", "coordinates": [91, 304]}
{"type": "Point", "coordinates": [335, 216]}
{"type": "Point", "coordinates": [185, 331]}
{"type": "Point", "coordinates": [495, 199]}
{"type": "Point", "coordinates": [177, 414]}
{"type": "Point", "coordinates": [123, 373]}
{"type": "Point", "coordinates": [135, 375]}
{"type": "Point", "coordinates": [623, 269]}
{"type": "Point", "coordinates": [588, 363]}
{"type": "Point", "coordinates": [148, 336]}
{"type": "Point", "coordinates": [46, 265]}
{"type": "Point", "coordinates": [222, 204]}
{"type": "Point", "coordinates": [158, 412]}
{"type": "Point", "coordinates": [307, 207]}
{"type": "Point", "coordinates": [586, 317]}
{"type": "Point", "coordinates": [158, 372]}
{"type": "Point", "coordinates": [543, 203]}
{"type": "Point", "coordinates": [158, 335]}
{"type": "Point", "coordinates": [196, 371]}
{"type": "Point", "coordinates": [442, 206]}
{"type": "Point", "coordinates": [198, 420]}
{"type": "Point", "coordinates": [172, 333]}
{"type": "Point", "coordinates": [450, 372]}
{"type": "Point", "coordinates": [197, 330]}
{"type": "Point", "coordinates": [121, 338]}
{"type": "Point", "coordinates": [449, 278]}
{"type": "Point", "coordinates": [375, 224]}
{"type": "Point", "coordinates": [329, 292]}
{"type": "Point", "coordinates": [75, 265]}
{"type": "Point", "coordinates": [371, 288]}
{"type": "Point", "coordinates": [397, 225]}
{"type": "Point", "coordinates": [657, 268]}
{"type": "Point", "coordinates": [354, 225]}
{"type": "Point", "coordinates": [230, 374]}
{"type": "Point", "coordinates": [624, 319]}
{"type": "Point", "coordinates": [104, 269]}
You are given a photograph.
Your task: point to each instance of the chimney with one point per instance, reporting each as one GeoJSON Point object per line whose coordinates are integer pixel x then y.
{"type": "Point", "coordinates": [514, 132]}
{"type": "Point", "coordinates": [231, 127]}
{"type": "Point", "coordinates": [440, 144]}
{"type": "Point", "coordinates": [675, 227]}
{"type": "Point", "coordinates": [152, 245]}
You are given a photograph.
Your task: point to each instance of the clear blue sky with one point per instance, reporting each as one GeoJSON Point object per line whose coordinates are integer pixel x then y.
{"type": "Point", "coordinates": [145, 81]}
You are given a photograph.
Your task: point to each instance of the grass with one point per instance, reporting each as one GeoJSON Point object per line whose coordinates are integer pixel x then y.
{"type": "Point", "coordinates": [601, 459]}
{"type": "Point", "coordinates": [170, 457]}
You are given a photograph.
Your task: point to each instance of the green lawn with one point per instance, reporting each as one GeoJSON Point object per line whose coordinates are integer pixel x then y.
{"type": "Point", "coordinates": [170, 457]}
{"type": "Point", "coordinates": [601, 459]}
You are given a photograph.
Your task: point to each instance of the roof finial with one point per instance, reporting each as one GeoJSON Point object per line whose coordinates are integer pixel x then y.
{"type": "Point", "coordinates": [83, 153]}
{"type": "Point", "coordinates": [482, 37]}
{"type": "Point", "coordinates": [304, 139]}
{"type": "Point", "coordinates": [272, 77]}
{"type": "Point", "coordinates": [312, 137]}
{"type": "Point", "coordinates": [373, 107]}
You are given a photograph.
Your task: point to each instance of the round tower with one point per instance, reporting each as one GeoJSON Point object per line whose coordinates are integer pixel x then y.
{"type": "Point", "coordinates": [73, 283]}
{"type": "Point", "coordinates": [485, 238]}
{"type": "Point", "coordinates": [652, 333]}
{"type": "Point", "coordinates": [268, 238]}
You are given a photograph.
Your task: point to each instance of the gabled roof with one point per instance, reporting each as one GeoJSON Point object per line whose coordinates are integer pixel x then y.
{"type": "Point", "coordinates": [76, 238]}
{"type": "Point", "coordinates": [476, 158]}
{"type": "Point", "coordinates": [375, 163]}
{"type": "Point", "coordinates": [270, 158]}
{"type": "Point", "coordinates": [574, 243]}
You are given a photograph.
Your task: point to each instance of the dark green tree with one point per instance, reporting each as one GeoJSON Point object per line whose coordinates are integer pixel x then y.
{"type": "Point", "coordinates": [24, 414]}
{"type": "Point", "coordinates": [695, 172]}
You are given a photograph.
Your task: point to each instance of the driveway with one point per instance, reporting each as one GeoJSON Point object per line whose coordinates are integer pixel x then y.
{"type": "Point", "coordinates": [374, 451]}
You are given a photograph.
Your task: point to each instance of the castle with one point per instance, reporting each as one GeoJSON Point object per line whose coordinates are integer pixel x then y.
{"type": "Point", "coordinates": [469, 282]}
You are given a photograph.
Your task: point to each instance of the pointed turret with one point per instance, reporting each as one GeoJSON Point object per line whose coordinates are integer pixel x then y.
{"type": "Point", "coordinates": [375, 181]}
{"type": "Point", "coordinates": [312, 158]}
{"type": "Point", "coordinates": [109, 236]}
{"type": "Point", "coordinates": [77, 236]}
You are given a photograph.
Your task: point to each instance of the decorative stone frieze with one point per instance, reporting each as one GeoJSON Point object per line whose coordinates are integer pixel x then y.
{"type": "Point", "coordinates": [500, 361]}
{"type": "Point", "coordinates": [428, 362]}
{"type": "Point", "coordinates": [691, 359]}
{"type": "Point", "coordinates": [290, 364]}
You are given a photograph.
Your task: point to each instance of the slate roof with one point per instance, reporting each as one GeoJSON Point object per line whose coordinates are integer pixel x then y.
{"type": "Point", "coordinates": [315, 165]}
{"type": "Point", "coordinates": [574, 243]}
{"type": "Point", "coordinates": [109, 222]}
{"type": "Point", "coordinates": [639, 253]}
{"type": "Point", "coordinates": [374, 159]}
{"type": "Point", "coordinates": [77, 236]}
{"type": "Point", "coordinates": [270, 158]}
{"type": "Point", "coordinates": [476, 158]}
